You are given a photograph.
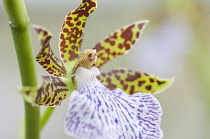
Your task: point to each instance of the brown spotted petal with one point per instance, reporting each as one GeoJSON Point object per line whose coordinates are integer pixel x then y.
{"type": "Point", "coordinates": [133, 81]}
{"type": "Point", "coordinates": [51, 93]}
{"type": "Point", "coordinates": [119, 42]}
{"type": "Point", "coordinates": [46, 58]}
{"type": "Point", "coordinates": [72, 32]}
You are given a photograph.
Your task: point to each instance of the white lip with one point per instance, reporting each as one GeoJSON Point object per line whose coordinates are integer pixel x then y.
{"type": "Point", "coordinates": [83, 75]}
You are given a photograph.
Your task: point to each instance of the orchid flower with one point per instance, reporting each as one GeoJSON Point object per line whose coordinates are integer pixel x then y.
{"type": "Point", "coordinates": [109, 105]}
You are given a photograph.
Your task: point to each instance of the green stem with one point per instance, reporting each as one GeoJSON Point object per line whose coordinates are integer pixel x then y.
{"type": "Point", "coordinates": [45, 117]}
{"type": "Point", "coordinates": [19, 23]}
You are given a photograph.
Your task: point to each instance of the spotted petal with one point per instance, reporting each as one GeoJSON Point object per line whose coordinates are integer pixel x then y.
{"type": "Point", "coordinates": [133, 81]}
{"type": "Point", "coordinates": [72, 32]}
{"type": "Point", "coordinates": [96, 112]}
{"type": "Point", "coordinates": [46, 58]}
{"type": "Point", "coordinates": [119, 42]}
{"type": "Point", "coordinates": [51, 93]}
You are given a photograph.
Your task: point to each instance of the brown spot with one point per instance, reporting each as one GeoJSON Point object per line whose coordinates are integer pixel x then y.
{"type": "Point", "coordinates": [132, 78]}
{"type": "Point", "coordinates": [133, 41]}
{"type": "Point", "coordinates": [139, 74]}
{"type": "Point", "coordinates": [61, 36]}
{"type": "Point", "coordinates": [63, 46]}
{"type": "Point", "coordinates": [78, 23]}
{"type": "Point", "coordinates": [59, 83]}
{"type": "Point", "coordinates": [64, 61]}
{"type": "Point", "coordinates": [65, 30]}
{"type": "Point", "coordinates": [93, 4]}
{"type": "Point", "coordinates": [114, 36]}
{"type": "Point", "coordinates": [69, 24]}
{"type": "Point", "coordinates": [137, 34]}
{"type": "Point", "coordinates": [108, 80]}
{"type": "Point", "coordinates": [45, 32]}
{"type": "Point", "coordinates": [38, 30]}
{"type": "Point", "coordinates": [114, 53]}
{"type": "Point", "coordinates": [140, 83]}
{"type": "Point", "coordinates": [103, 74]}
{"type": "Point", "coordinates": [53, 99]}
{"type": "Point", "coordinates": [125, 87]}
{"type": "Point", "coordinates": [146, 74]}
{"type": "Point", "coordinates": [98, 47]}
{"type": "Point", "coordinates": [120, 46]}
{"type": "Point", "coordinates": [46, 40]}
{"type": "Point", "coordinates": [122, 71]}
{"type": "Point", "coordinates": [151, 80]}
{"type": "Point", "coordinates": [68, 18]}
{"type": "Point", "coordinates": [141, 25]}
{"type": "Point", "coordinates": [107, 51]}
{"type": "Point", "coordinates": [132, 89]}
{"type": "Point", "coordinates": [149, 87]}
{"type": "Point", "coordinates": [127, 46]}
{"type": "Point", "coordinates": [83, 25]}
{"type": "Point", "coordinates": [109, 73]}
{"type": "Point", "coordinates": [112, 43]}
{"type": "Point", "coordinates": [57, 103]}
{"type": "Point", "coordinates": [45, 98]}
{"type": "Point", "coordinates": [27, 92]}
{"type": "Point", "coordinates": [48, 100]}
{"type": "Point", "coordinates": [117, 77]}
{"type": "Point", "coordinates": [90, 55]}
{"type": "Point", "coordinates": [76, 19]}
{"type": "Point", "coordinates": [110, 85]}
{"type": "Point", "coordinates": [107, 40]}
{"type": "Point", "coordinates": [128, 33]}
{"type": "Point", "coordinates": [159, 82]}
{"type": "Point", "coordinates": [73, 55]}
{"type": "Point", "coordinates": [115, 71]}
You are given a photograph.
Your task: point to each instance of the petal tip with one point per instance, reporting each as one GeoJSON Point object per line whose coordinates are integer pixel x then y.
{"type": "Point", "coordinates": [146, 21]}
{"type": "Point", "coordinates": [168, 84]}
{"type": "Point", "coordinates": [142, 24]}
{"type": "Point", "coordinates": [39, 29]}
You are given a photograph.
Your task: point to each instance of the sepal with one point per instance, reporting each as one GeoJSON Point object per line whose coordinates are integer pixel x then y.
{"type": "Point", "coordinates": [71, 35]}
{"type": "Point", "coordinates": [133, 81]}
{"type": "Point", "coordinates": [51, 93]}
{"type": "Point", "coordinates": [118, 43]}
{"type": "Point", "coordinates": [46, 57]}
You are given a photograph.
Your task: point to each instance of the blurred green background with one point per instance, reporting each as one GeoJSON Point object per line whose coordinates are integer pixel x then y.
{"type": "Point", "coordinates": [174, 44]}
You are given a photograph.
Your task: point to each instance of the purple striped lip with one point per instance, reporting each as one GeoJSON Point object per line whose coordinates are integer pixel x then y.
{"type": "Point", "coordinates": [96, 112]}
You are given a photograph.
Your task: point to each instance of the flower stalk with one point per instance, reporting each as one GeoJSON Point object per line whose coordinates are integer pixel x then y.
{"type": "Point", "coordinates": [46, 116]}
{"type": "Point", "coordinates": [19, 23]}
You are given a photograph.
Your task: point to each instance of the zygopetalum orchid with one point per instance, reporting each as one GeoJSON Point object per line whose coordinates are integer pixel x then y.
{"type": "Point", "coordinates": [100, 109]}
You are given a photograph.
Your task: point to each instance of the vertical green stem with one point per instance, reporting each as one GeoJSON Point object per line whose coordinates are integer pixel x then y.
{"type": "Point", "coordinates": [19, 23]}
{"type": "Point", "coordinates": [45, 117]}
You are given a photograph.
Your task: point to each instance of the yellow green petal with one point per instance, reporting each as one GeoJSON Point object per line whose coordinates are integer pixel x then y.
{"type": "Point", "coordinates": [51, 93]}
{"type": "Point", "coordinates": [119, 42]}
{"type": "Point", "coordinates": [72, 32]}
{"type": "Point", "coordinates": [46, 57]}
{"type": "Point", "coordinates": [133, 81]}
